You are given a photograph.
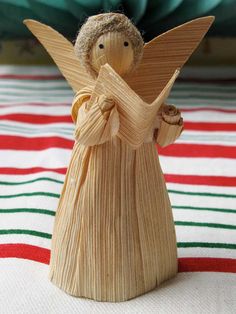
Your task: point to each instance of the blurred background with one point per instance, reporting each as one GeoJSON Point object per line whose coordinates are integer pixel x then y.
{"type": "Point", "coordinates": [152, 17]}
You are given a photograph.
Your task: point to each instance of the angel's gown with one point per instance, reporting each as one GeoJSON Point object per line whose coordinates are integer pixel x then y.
{"type": "Point", "coordinates": [114, 235]}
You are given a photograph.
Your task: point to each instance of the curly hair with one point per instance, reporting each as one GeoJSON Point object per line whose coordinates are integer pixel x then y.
{"type": "Point", "coordinates": [97, 25]}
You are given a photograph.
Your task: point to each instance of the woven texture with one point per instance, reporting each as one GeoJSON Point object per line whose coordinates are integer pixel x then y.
{"type": "Point", "coordinates": [36, 142]}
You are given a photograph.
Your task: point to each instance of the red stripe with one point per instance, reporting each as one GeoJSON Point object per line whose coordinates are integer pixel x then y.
{"type": "Point", "coordinates": [186, 264]}
{"type": "Point", "coordinates": [26, 251]}
{"type": "Point", "coordinates": [200, 180]}
{"type": "Point", "coordinates": [42, 119]}
{"type": "Point", "coordinates": [19, 171]}
{"type": "Point", "coordinates": [198, 150]}
{"type": "Point", "coordinates": [207, 126]}
{"type": "Point", "coordinates": [176, 150]}
{"type": "Point", "coordinates": [31, 77]}
{"type": "Point", "coordinates": [35, 118]}
{"type": "Point", "coordinates": [31, 143]}
{"type": "Point", "coordinates": [194, 264]}
{"type": "Point", "coordinates": [207, 109]}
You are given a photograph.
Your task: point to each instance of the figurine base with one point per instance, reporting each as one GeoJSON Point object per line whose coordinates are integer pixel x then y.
{"type": "Point", "coordinates": [115, 298]}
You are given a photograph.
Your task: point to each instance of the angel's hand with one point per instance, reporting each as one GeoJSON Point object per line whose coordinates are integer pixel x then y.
{"type": "Point", "coordinates": [171, 125]}
{"type": "Point", "coordinates": [171, 114]}
{"type": "Point", "coordinates": [106, 103]}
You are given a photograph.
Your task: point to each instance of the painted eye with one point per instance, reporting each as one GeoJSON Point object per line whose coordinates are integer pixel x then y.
{"type": "Point", "coordinates": [101, 46]}
{"type": "Point", "coordinates": [126, 44]}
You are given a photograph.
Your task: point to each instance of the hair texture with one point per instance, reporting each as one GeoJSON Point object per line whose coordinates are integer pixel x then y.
{"type": "Point", "coordinates": [100, 24]}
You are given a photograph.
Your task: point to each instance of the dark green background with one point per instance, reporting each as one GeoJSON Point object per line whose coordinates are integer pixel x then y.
{"type": "Point", "coordinates": [151, 17]}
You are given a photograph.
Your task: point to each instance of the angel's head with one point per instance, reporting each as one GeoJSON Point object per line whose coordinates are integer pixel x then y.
{"type": "Point", "coordinates": [109, 38]}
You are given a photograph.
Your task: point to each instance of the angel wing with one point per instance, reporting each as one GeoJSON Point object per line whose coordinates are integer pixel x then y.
{"type": "Point", "coordinates": [164, 54]}
{"type": "Point", "coordinates": [62, 52]}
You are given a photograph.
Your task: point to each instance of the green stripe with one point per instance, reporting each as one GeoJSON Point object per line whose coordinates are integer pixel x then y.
{"type": "Point", "coordinates": [202, 194]}
{"type": "Point", "coordinates": [31, 181]}
{"type": "Point", "coordinates": [223, 210]}
{"type": "Point", "coordinates": [204, 224]}
{"type": "Point", "coordinates": [206, 245]}
{"type": "Point", "coordinates": [179, 244]}
{"type": "Point", "coordinates": [31, 194]}
{"type": "Point", "coordinates": [32, 131]}
{"type": "Point", "coordinates": [52, 213]}
{"type": "Point", "coordinates": [23, 231]}
{"type": "Point", "coordinates": [170, 191]}
{"type": "Point", "coordinates": [27, 210]}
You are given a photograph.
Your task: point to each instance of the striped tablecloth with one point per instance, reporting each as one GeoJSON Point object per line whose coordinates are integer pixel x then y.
{"type": "Point", "coordinates": [200, 170]}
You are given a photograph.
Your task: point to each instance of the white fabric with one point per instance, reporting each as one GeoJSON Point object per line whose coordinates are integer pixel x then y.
{"type": "Point", "coordinates": [188, 293]}
{"type": "Point", "coordinates": [24, 286]}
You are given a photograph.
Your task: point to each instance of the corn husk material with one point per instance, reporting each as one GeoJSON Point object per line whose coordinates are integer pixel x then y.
{"type": "Point", "coordinates": [114, 235]}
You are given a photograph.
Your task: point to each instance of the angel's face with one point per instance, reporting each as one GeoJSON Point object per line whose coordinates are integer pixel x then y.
{"type": "Point", "coordinates": [115, 49]}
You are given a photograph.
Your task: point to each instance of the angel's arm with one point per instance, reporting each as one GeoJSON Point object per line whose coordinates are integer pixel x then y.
{"type": "Point", "coordinates": [171, 125]}
{"type": "Point", "coordinates": [97, 122]}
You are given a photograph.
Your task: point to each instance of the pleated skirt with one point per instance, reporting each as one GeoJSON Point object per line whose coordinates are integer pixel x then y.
{"type": "Point", "coordinates": [114, 235]}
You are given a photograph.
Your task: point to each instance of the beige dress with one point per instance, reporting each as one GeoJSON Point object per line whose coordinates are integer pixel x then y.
{"type": "Point", "coordinates": [114, 235]}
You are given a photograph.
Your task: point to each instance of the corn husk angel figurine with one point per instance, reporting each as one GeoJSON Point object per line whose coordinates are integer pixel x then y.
{"type": "Point", "coordinates": [114, 235]}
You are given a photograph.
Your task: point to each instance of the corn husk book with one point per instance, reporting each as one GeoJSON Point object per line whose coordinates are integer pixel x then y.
{"type": "Point", "coordinates": [114, 236]}
{"type": "Point", "coordinates": [135, 115]}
